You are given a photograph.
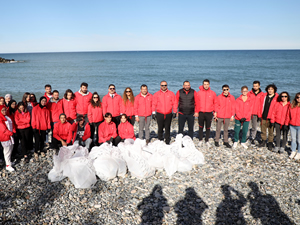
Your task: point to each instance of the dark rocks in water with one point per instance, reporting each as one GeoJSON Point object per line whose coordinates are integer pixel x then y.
{"type": "Point", "coordinates": [3, 60]}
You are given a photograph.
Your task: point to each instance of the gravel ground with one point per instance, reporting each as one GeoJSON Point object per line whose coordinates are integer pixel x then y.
{"type": "Point", "coordinates": [253, 186]}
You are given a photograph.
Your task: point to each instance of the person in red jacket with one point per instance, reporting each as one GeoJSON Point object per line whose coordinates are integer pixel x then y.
{"type": "Point", "coordinates": [125, 129]}
{"type": "Point", "coordinates": [293, 120]}
{"type": "Point", "coordinates": [206, 107]}
{"type": "Point", "coordinates": [278, 117]}
{"type": "Point", "coordinates": [12, 107]}
{"type": "Point", "coordinates": [62, 134]}
{"type": "Point", "coordinates": [112, 103]}
{"type": "Point", "coordinates": [225, 111]}
{"type": "Point", "coordinates": [95, 115]}
{"type": "Point", "coordinates": [243, 111]}
{"type": "Point", "coordinates": [81, 132]}
{"type": "Point", "coordinates": [48, 92]}
{"type": "Point", "coordinates": [83, 98]}
{"type": "Point", "coordinates": [2, 101]}
{"type": "Point", "coordinates": [256, 95]}
{"type": "Point", "coordinates": [69, 106]}
{"type": "Point", "coordinates": [107, 131]}
{"type": "Point", "coordinates": [143, 111]}
{"type": "Point", "coordinates": [163, 103]}
{"type": "Point", "coordinates": [7, 129]}
{"type": "Point", "coordinates": [127, 106]}
{"type": "Point", "coordinates": [265, 112]}
{"type": "Point", "coordinates": [22, 120]}
{"type": "Point", "coordinates": [186, 101]}
{"type": "Point", "coordinates": [40, 122]}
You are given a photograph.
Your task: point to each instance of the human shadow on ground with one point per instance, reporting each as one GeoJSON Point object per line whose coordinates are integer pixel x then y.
{"type": "Point", "coordinates": [190, 209]}
{"type": "Point", "coordinates": [265, 207]}
{"type": "Point", "coordinates": [229, 210]}
{"type": "Point", "coordinates": [153, 207]}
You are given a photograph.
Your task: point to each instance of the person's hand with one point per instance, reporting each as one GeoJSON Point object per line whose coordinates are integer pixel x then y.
{"type": "Point", "coordinates": [242, 120]}
{"type": "Point", "coordinates": [177, 114]}
{"type": "Point", "coordinates": [196, 114]}
{"type": "Point", "coordinates": [137, 119]}
{"type": "Point", "coordinates": [174, 115]}
{"type": "Point", "coordinates": [258, 119]}
{"type": "Point", "coordinates": [232, 118]}
{"type": "Point", "coordinates": [215, 118]}
{"type": "Point", "coordinates": [153, 116]}
{"type": "Point", "coordinates": [272, 125]}
{"type": "Point", "coordinates": [285, 127]}
{"type": "Point", "coordinates": [63, 143]}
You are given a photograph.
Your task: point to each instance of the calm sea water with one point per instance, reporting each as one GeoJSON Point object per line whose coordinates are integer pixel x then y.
{"type": "Point", "coordinates": [131, 69]}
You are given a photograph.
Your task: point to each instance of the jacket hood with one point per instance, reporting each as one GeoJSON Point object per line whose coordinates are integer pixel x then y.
{"type": "Point", "coordinates": [201, 88]}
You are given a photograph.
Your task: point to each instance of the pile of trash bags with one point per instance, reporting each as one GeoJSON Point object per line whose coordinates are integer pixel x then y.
{"type": "Point", "coordinates": [107, 161]}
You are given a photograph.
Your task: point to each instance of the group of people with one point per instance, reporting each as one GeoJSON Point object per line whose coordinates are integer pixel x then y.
{"type": "Point", "coordinates": [82, 117]}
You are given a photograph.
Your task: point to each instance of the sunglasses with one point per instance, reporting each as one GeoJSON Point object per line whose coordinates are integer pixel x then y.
{"type": "Point", "coordinates": [164, 85]}
{"type": "Point", "coordinates": [128, 91]}
{"type": "Point", "coordinates": [111, 88]}
{"type": "Point", "coordinates": [95, 97]}
{"type": "Point", "coordinates": [297, 97]}
{"type": "Point", "coordinates": [225, 89]}
{"type": "Point", "coordinates": [284, 96]}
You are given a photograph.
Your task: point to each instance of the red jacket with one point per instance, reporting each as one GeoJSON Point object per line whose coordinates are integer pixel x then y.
{"type": "Point", "coordinates": [22, 121]}
{"type": "Point", "coordinates": [262, 104]}
{"type": "Point", "coordinates": [126, 131]}
{"type": "Point", "coordinates": [86, 135]}
{"type": "Point", "coordinates": [112, 105]}
{"type": "Point", "coordinates": [279, 113]}
{"type": "Point", "coordinates": [5, 133]}
{"type": "Point", "coordinates": [40, 118]}
{"type": "Point", "coordinates": [256, 101]}
{"type": "Point", "coordinates": [243, 109]}
{"type": "Point", "coordinates": [82, 102]}
{"type": "Point", "coordinates": [69, 108]}
{"type": "Point", "coordinates": [225, 106]}
{"type": "Point", "coordinates": [63, 131]}
{"type": "Point", "coordinates": [95, 115]}
{"type": "Point", "coordinates": [55, 108]}
{"type": "Point", "coordinates": [143, 105]}
{"type": "Point", "coordinates": [106, 131]}
{"type": "Point", "coordinates": [163, 102]}
{"type": "Point", "coordinates": [127, 109]}
{"type": "Point", "coordinates": [207, 100]}
{"type": "Point", "coordinates": [47, 97]}
{"type": "Point", "coordinates": [293, 116]}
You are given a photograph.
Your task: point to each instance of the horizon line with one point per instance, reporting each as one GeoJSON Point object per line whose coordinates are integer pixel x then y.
{"type": "Point", "coordinates": [154, 51]}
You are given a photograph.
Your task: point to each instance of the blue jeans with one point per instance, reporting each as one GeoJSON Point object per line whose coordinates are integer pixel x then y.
{"type": "Point", "coordinates": [295, 133]}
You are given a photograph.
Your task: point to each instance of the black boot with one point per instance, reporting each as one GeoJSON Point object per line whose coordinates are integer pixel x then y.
{"type": "Point", "coordinates": [262, 144]}
{"type": "Point", "coordinates": [270, 146]}
{"type": "Point", "coordinates": [227, 145]}
{"type": "Point", "coordinates": [217, 144]}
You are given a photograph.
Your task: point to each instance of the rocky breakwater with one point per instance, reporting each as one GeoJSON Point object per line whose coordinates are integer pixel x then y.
{"type": "Point", "coordinates": [3, 60]}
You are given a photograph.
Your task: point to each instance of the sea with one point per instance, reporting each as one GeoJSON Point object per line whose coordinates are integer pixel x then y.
{"type": "Point", "coordinates": [67, 70]}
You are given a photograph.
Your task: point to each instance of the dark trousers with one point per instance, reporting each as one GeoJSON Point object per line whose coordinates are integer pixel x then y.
{"type": "Point", "coordinates": [52, 128]}
{"type": "Point", "coordinates": [116, 120]}
{"type": "Point", "coordinates": [40, 137]}
{"type": "Point", "coordinates": [30, 144]}
{"type": "Point", "coordinates": [57, 143]}
{"type": "Point", "coordinates": [278, 134]}
{"type": "Point", "coordinates": [115, 141]}
{"type": "Point", "coordinates": [16, 145]}
{"type": "Point", "coordinates": [1, 152]}
{"type": "Point", "coordinates": [181, 121]}
{"type": "Point", "coordinates": [131, 119]}
{"type": "Point", "coordinates": [204, 118]}
{"type": "Point", "coordinates": [26, 140]}
{"type": "Point", "coordinates": [94, 127]}
{"type": "Point", "coordinates": [164, 121]}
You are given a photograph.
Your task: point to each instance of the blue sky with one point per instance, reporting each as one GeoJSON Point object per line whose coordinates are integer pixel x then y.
{"type": "Point", "coordinates": [58, 26]}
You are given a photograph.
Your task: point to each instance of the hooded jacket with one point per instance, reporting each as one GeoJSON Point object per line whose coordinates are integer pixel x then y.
{"type": "Point", "coordinates": [55, 109]}
{"type": "Point", "coordinates": [63, 131]}
{"type": "Point", "coordinates": [69, 108]}
{"type": "Point", "coordinates": [5, 133]}
{"type": "Point", "coordinates": [95, 114]}
{"type": "Point", "coordinates": [293, 116]}
{"type": "Point", "coordinates": [82, 102]}
{"type": "Point", "coordinates": [127, 108]}
{"type": "Point", "coordinates": [87, 131]}
{"type": "Point", "coordinates": [164, 102]}
{"type": "Point", "coordinates": [279, 113]}
{"type": "Point", "coordinates": [207, 100]}
{"type": "Point", "coordinates": [126, 131]}
{"type": "Point", "coordinates": [22, 120]}
{"type": "Point", "coordinates": [143, 105]}
{"type": "Point", "coordinates": [256, 101]}
{"type": "Point", "coordinates": [243, 109]}
{"type": "Point", "coordinates": [225, 106]}
{"type": "Point", "coordinates": [262, 104]}
{"type": "Point", "coordinates": [40, 118]}
{"type": "Point", "coordinates": [106, 131]}
{"type": "Point", "coordinates": [112, 105]}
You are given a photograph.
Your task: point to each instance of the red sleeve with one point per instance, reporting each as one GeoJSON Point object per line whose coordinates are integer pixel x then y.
{"type": "Point", "coordinates": [217, 108]}
{"type": "Point", "coordinates": [272, 108]}
{"type": "Point", "coordinates": [104, 105]}
{"type": "Point", "coordinates": [17, 119]}
{"type": "Point", "coordinates": [101, 136]}
{"type": "Point", "coordinates": [154, 103]}
{"type": "Point", "coordinates": [196, 101]}
{"type": "Point", "coordinates": [33, 120]}
{"type": "Point", "coordinates": [56, 131]}
{"type": "Point", "coordinates": [136, 105]}
{"type": "Point", "coordinates": [237, 110]}
{"type": "Point", "coordinates": [233, 106]}
{"type": "Point", "coordinates": [90, 117]}
{"type": "Point", "coordinates": [5, 130]}
{"type": "Point", "coordinates": [48, 119]}
{"type": "Point", "coordinates": [114, 131]}
{"type": "Point", "coordinates": [177, 98]}
{"type": "Point", "coordinates": [175, 107]}
{"type": "Point", "coordinates": [214, 102]}
{"type": "Point", "coordinates": [261, 105]}
{"type": "Point", "coordinates": [131, 132]}
{"type": "Point", "coordinates": [87, 132]}
{"type": "Point", "coordinates": [288, 116]}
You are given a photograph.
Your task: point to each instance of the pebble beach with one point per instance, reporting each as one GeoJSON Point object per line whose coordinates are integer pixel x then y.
{"type": "Point", "coordinates": [253, 186]}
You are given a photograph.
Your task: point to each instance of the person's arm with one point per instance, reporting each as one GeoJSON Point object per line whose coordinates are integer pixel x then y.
{"type": "Point", "coordinates": [56, 132]}
{"type": "Point", "coordinates": [154, 103]}
{"type": "Point", "coordinates": [87, 132]}
{"type": "Point", "coordinates": [174, 105]}
{"type": "Point", "coordinates": [5, 130]}
{"type": "Point", "coordinates": [90, 113]}
{"type": "Point", "coordinates": [48, 119]}
{"type": "Point", "coordinates": [114, 135]}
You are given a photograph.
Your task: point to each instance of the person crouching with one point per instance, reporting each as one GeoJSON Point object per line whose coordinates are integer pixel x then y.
{"type": "Point", "coordinates": [81, 132]}
{"type": "Point", "coordinates": [107, 131]}
{"type": "Point", "coordinates": [62, 135]}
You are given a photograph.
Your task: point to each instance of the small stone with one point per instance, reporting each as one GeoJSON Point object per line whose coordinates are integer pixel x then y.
{"type": "Point", "coordinates": [81, 192]}
{"type": "Point", "coordinates": [133, 191]}
{"type": "Point", "coordinates": [97, 206]}
{"type": "Point", "coordinates": [42, 180]}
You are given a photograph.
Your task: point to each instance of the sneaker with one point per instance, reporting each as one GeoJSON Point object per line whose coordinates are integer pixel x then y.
{"type": "Point", "coordinates": [253, 142]}
{"type": "Point", "coordinates": [276, 149]}
{"type": "Point", "coordinates": [9, 168]}
{"type": "Point", "coordinates": [207, 144]}
{"type": "Point", "coordinates": [297, 157]}
{"type": "Point", "coordinates": [217, 144]}
{"type": "Point", "coordinates": [262, 144]}
{"type": "Point", "coordinates": [281, 150]}
{"type": "Point", "coordinates": [235, 145]}
{"type": "Point", "coordinates": [200, 143]}
{"type": "Point", "coordinates": [227, 145]}
{"type": "Point", "coordinates": [244, 145]}
{"type": "Point", "coordinates": [292, 155]}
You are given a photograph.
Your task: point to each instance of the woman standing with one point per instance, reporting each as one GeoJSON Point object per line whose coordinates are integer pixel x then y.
{"type": "Point", "coordinates": [95, 115]}
{"type": "Point", "coordinates": [12, 107]}
{"type": "Point", "coordinates": [33, 99]}
{"type": "Point", "coordinates": [278, 117]}
{"type": "Point", "coordinates": [128, 105]}
{"type": "Point", "coordinates": [40, 123]}
{"type": "Point", "coordinates": [69, 106]}
{"type": "Point", "coordinates": [126, 130]}
{"type": "Point", "coordinates": [6, 136]}
{"type": "Point", "coordinates": [243, 110]}
{"type": "Point", "coordinates": [22, 120]}
{"type": "Point", "coordinates": [2, 101]}
{"type": "Point", "coordinates": [293, 119]}
{"type": "Point", "coordinates": [27, 103]}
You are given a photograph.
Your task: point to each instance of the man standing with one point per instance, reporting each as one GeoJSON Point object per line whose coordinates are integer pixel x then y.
{"type": "Point", "coordinates": [112, 103]}
{"type": "Point", "coordinates": [163, 102]}
{"type": "Point", "coordinates": [267, 102]}
{"type": "Point", "coordinates": [186, 100]}
{"type": "Point", "coordinates": [48, 93]}
{"type": "Point", "coordinates": [83, 98]}
{"type": "Point", "coordinates": [207, 100]}
{"type": "Point", "coordinates": [256, 94]}
{"type": "Point", "coordinates": [225, 111]}
{"type": "Point", "coordinates": [142, 111]}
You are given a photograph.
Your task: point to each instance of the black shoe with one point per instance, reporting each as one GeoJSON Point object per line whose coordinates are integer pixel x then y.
{"type": "Point", "coordinates": [217, 144]}
{"type": "Point", "coordinates": [270, 146]}
{"type": "Point", "coordinates": [262, 144]}
{"type": "Point", "coordinates": [147, 141]}
{"type": "Point", "coordinates": [227, 145]}
{"type": "Point", "coordinates": [252, 142]}
{"type": "Point", "coordinates": [26, 159]}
